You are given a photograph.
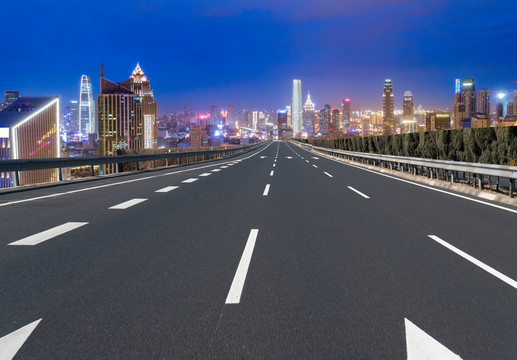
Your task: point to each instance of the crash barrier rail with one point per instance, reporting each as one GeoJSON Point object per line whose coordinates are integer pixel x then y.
{"type": "Point", "coordinates": [440, 169]}
{"type": "Point", "coordinates": [17, 165]}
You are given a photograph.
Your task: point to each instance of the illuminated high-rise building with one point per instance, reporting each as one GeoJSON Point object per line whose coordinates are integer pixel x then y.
{"type": "Point", "coordinates": [465, 104]}
{"type": "Point", "coordinates": [514, 103]}
{"type": "Point", "coordinates": [120, 119]}
{"type": "Point", "coordinates": [296, 107]}
{"type": "Point", "coordinates": [388, 107]}
{"type": "Point", "coordinates": [437, 121]}
{"type": "Point", "coordinates": [335, 120]}
{"type": "Point", "coordinates": [308, 116]}
{"type": "Point", "coordinates": [409, 123]}
{"type": "Point", "coordinates": [213, 114]}
{"type": "Point", "coordinates": [29, 129]}
{"type": "Point", "coordinates": [324, 120]}
{"type": "Point", "coordinates": [71, 119]}
{"type": "Point", "coordinates": [484, 102]}
{"type": "Point", "coordinates": [346, 114]}
{"type": "Point", "coordinates": [231, 116]}
{"type": "Point", "coordinates": [142, 87]}
{"type": "Point", "coordinates": [87, 108]}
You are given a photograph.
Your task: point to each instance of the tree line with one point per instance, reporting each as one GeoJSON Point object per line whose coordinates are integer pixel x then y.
{"type": "Point", "coordinates": [484, 145]}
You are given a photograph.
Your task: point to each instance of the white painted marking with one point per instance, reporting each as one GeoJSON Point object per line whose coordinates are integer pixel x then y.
{"type": "Point", "coordinates": [274, 165]}
{"type": "Point", "coordinates": [14, 202]}
{"type": "Point", "coordinates": [11, 343]}
{"type": "Point", "coordinates": [271, 173]}
{"type": "Point", "coordinates": [48, 234]}
{"type": "Point", "coordinates": [425, 187]}
{"type": "Point", "coordinates": [302, 157]}
{"type": "Point", "coordinates": [475, 261]}
{"type": "Point", "coordinates": [216, 170]}
{"type": "Point", "coordinates": [315, 158]}
{"type": "Point", "coordinates": [421, 346]}
{"type": "Point", "coordinates": [288, 157]}
{"type": "Point", "coordinates": [127, 204]}
{"type": "Point", "coordinates": [306, 160]}
{"type": "Point", "coordinates": [234, 295]}
{"type": "Point", "coordinates": [326, 173]}
{"type": "Point", "coordinates": [167, 189]}
{"type": "Point", "coordinates": [358, 192]}
{"type": "Point", "coordinates": [190, 181]}
{"type": "Point", "coordinates": [314, 166]}
{"type": "Point", "coordinates": [266, 190]}
{"type": "Point", "coordinates": [224, 167]}
{"type": "Point", "coordinates": [205, 174]}
{"type": "Point", "coordinates": [263, 157]}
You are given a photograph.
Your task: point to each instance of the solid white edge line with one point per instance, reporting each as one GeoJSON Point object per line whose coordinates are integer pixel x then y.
{"type": "Point", "coordinates": [326, 173]}
{"type": "Point", "coordinates": [167, 189]}
{"type": "Point", "coordinates": [234, 295]}
{"type": "Point", "coordinates": [266, 190]}
{"type": "Point", "coordinates": [127, 204]}
{"type": "Point", "coordinates": [475, 261]}
{"type": "Point", "coordinates": [357, 191]}
{"type": "Point", "coordinates": [425, 186]}
{"type": "Point", "coordinates": [48, 234]}
{"type": "Point", "coordinates": [14, 202]}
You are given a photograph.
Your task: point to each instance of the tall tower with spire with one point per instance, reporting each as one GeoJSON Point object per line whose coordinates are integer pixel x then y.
{"type": "Point", "coordinates": [308, 115]}
{"type": "Point", "coordinates": [296, 107]}
{"type": "Point", "coordinates": [141, 87]}
{"type": "Point", "coordinates": [87, 108]}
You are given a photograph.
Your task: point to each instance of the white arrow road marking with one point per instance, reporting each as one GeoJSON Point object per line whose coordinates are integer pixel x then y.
{"type": "Point", "coordinates": [48, 234]}
{"type": "Point", "coordinates": [475, 261]}
{"type": "Point", "coordinates": [358, 192]}
{"type": "Point", "coordinates": [127, 204]}
{"type": "Point", "coordinates": [421, 346]}
{"type": "Point", "coordinates": [189, 181]}
{"type": "Point", "coordinates": [234, 295]}
{"type": "Point", "coordinates": [288, 157]}
{"type": "Point", "coordinates": [11, 343]}
{"type": "Point", "coordinates": [266, 190]}
{"type": "Point", "coordinates": [167, 189]}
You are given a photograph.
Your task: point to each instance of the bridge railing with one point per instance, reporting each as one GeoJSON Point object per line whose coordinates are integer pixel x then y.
{"type": "Point", "coordinates": [16, 165]}
{"type": "Point", "coordinates": [440, 169]}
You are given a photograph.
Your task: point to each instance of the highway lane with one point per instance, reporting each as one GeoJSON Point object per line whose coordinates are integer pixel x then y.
{"type": "Point", "coordinates": [332, 274]}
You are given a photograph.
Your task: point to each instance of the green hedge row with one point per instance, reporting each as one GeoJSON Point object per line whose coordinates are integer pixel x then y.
{"type": "Point", "coordinates": [485, 145]}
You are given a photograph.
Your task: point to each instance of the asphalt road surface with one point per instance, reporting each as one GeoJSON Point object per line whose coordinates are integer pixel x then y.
{"type": "Point", "coordinates": [279, 253]}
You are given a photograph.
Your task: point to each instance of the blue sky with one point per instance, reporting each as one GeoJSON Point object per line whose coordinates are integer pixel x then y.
{"type": "Point", "coordinates": [199, 53]}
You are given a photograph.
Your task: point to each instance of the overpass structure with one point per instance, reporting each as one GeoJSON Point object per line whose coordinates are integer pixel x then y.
{"type": "Point", "coordinates": [276, 253]}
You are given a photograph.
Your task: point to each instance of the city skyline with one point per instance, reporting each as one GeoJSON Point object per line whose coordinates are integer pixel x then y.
{"type": "Point", "coordinates": [346, 62]}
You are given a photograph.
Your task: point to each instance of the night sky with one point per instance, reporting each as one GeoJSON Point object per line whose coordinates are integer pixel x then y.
{"type": "Point", "coordinates": [247, 52]}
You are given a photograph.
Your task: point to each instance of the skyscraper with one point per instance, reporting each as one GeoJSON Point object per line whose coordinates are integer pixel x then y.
{"type": "Point", "coordinates": [464, 103]}
{"type": "Point", "coordinates": [514, 108]}
{"type": "Point", "coordinates": [29, 129]}
{"type": "Point", "coordinates": [484, 102]}
{"type": "Point", "coordinates": [334, 123]}
{"type": "Point", "coordinates": [213, 114]}
{"type": "Point", "coordinates": [71, 119]}
{"type": "Point", "coordinates": [388, 107]}
{"type": "Point", "coordinates": [324, 120]}
{"type": "Point", "coordinates": [120, 119]}
{"type": "Point", "coordinates": [231, 116]}
{"type": "Point", "coordinates": [346, 116]}
{"type": "Point", "coordinates": [142, 87]}
{"type": "Point", "coordinates": [408, 113]}
{"type": "Point", "coordinates": [296, 107]}
{"type": "Point", "coordinates": [87, 108]}
{"type": "Point", "coordinates": [308, 115]}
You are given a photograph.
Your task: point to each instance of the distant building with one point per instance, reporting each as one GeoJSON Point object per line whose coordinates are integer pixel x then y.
{"type": "Point", "coordinates": [231, 116]}
{"type": "Point", "coordinates": [29, 129]}
{"type": "Point", "coordinates": [346, 114]}
{"type": "Point", "coordinates": [437, 121]}
{"type": "Point", "coordinates": [71, 119]}
{"type": "Point", "coordinates": [464, 103]}
{"type": "Point", "coordinates": [11, 96]}
{"type": "Point", "coordinates": [480, 121]}
{"type": "Point", "coordinates": [409, 124]}
{"type": "Point", "coordinates": [388, 108]}
{"type": "Point", "coordinates": [308, 116]}
{"type": "Point", "coordinates": [87, 108]}
{"type": "Point", "coordinates": [484, 102]}
{"type": "Point", "coordinates": [365, 127]}
{"type": "Point", "coordinates": [324, 120]}
{"type": "Point", "coordinates": [296, 109]}
{"type": "Point", "coordinates": [213, 115]}
{"type": "Point", "coordinates": [198, 136]}
{"type": "Point", "coordinates": [334, 124]}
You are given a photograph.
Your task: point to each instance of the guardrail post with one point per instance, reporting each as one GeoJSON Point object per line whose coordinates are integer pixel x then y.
{"type": "Point", "coordinates": [137, 166]}
{"type": "Point", "coordinates": [167, 162]}
{"type": "Point", "coordinates": [511, 188]}
{"type": "Point", "coordinates": [452, 177]}
{"type": "Point", "coordinates": [481, 180]}
{"type": "Point", "coordinates": [16, 178]}
{"type": "Point", "coordinates": [497, 184]}
{"type": "Point", "coordinates": [59, 174]}
{"type": "Point", "coordinates": [92, 170]}
{"type": "Point", "coordinates": [154, 164]}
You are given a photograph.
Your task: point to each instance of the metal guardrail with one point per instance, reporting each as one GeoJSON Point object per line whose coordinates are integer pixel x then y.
{"type": "Point", "coordinates": [16, 165]}
{"type": "Point", "coordinates": [446, 168]}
